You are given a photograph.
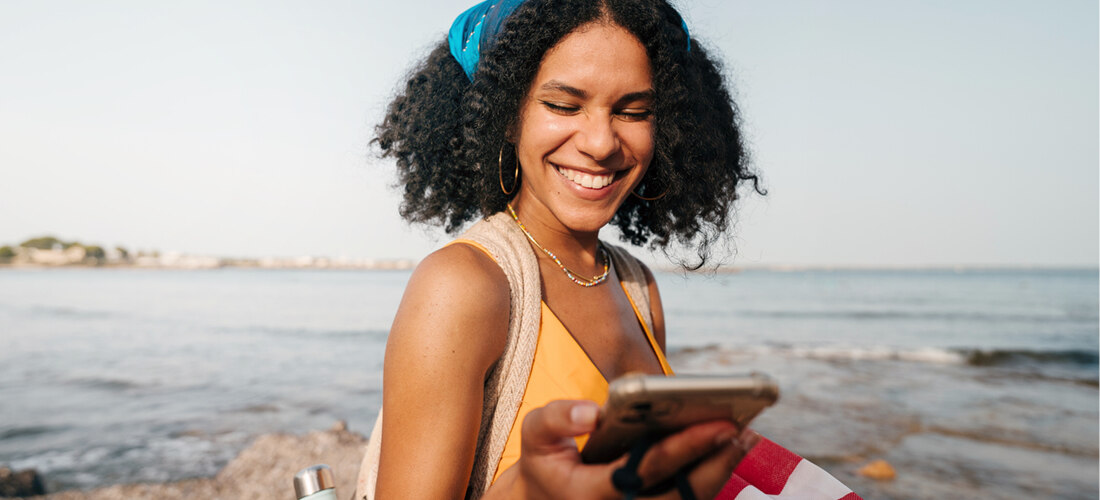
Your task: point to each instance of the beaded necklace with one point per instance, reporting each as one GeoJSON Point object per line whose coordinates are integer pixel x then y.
{"type": "Point", "coordinates": [585, 282]}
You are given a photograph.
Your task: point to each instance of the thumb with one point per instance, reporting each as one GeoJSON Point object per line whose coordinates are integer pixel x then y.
{"type": "Point", "coordinates": [551, 428]}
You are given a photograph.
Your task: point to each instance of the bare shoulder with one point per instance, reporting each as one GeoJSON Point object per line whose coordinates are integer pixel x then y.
{"type": "Point", "coordinates": [457, 299]}
{"type": "Point", "coordinates": [464, 274]}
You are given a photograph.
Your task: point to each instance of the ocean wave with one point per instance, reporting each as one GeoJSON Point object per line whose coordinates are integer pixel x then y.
{"type": "Point", "coordinates": [936, 355]}
{"type": "Point", "coordinates": [28, 431]}
{"type": "Point", "coordinates": [1016, 357]}
{"type": "Point", "coordinates": [280, 331]}
{"type": "Point", "coordinates": [69, 312]}
{"type": "Point", "coordinates": [920, 355]}
{"type": "Point", "coordinates": [870, 314]}
{"type": "Point", "coordinates": [106, 383]}
{"type": "Point", "coordinates": [833, 353]}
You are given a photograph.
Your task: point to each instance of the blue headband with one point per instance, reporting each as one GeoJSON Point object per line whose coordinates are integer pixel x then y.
{"type": "Point", "coordinates": [479, 26]}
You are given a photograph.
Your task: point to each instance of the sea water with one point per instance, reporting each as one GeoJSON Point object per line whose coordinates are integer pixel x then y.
{"type": "Point", "coordinates": [972, 383]}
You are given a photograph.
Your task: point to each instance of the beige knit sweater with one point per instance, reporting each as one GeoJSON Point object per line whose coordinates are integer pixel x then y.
{"type": "Point", "coordinates": [507, 379]}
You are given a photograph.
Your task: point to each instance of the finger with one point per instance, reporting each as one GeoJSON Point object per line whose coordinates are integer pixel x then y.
{"type": "Point", "coordinates": [552, 427]}
{"type": "Point", "coordinates": [748, 439]}
{"type": "Point", "coordinates": [550, 463]}
{"type": "Point", "coordinates": [683, 448]}
{"type": "Point", "coordinates": [712, 474]}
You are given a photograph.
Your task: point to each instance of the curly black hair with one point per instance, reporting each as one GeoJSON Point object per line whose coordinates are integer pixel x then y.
{"type": "Point", "coordinates": [446, 132]}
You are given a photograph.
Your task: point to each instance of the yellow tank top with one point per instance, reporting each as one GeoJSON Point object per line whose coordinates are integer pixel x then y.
{"type": "Point", "coordinates": [560, 370]}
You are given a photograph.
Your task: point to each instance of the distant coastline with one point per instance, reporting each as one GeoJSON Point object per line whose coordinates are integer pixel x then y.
{"type": "Point", "coordinates": [51, 252]}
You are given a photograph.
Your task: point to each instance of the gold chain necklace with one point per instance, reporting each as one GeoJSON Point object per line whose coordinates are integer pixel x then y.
{"type": "Point", "coordinates": [585, 282]}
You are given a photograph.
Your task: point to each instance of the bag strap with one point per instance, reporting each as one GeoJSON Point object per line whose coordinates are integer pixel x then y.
{"type": "Point", "coordinates": [633, 278]}
{"type": "Point", "coordinates": [507, 379]}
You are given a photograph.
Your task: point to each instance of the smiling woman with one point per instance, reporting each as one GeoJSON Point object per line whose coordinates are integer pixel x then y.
{"type": "Point", "coordinates": [452, 129]}
{"type": "Point", "coordinates": [586, 134]}
{"type": "Point", "coordinates": [550, 119]}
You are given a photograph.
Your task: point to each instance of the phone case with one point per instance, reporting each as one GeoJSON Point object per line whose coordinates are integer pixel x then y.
{"type": "Point", "coordinates": [639, 405]}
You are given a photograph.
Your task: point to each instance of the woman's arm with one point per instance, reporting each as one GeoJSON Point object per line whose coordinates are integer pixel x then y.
{"type": "Point", "coordinates": [450, 328]}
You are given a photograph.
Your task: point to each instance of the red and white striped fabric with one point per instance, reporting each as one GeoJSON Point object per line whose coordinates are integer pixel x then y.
{"type": "Point", "coordinates": [771, 472]}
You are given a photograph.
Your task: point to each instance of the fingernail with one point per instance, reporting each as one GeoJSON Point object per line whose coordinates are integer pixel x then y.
{"type": "Point", "coordinates": [747, 440]}
{"type": "Point", "coordinates": [583, 414]}
{"type": "Point", "coordinates": [726, 437]}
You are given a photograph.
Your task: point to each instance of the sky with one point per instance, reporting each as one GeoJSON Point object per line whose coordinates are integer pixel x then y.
{"type": "Point", "coordinates": [888, 134]}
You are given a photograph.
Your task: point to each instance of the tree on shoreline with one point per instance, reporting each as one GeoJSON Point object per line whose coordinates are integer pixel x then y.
{"type": "Point", "coordinates": [75, 252]}
{"type": "Point", "coordinates": [46, 243]}
{"type": "Point", "coordinates": [94, 252]}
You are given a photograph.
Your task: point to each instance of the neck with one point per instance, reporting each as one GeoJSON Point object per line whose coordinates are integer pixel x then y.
{"type": "Point", "coordinates": [578, 250]}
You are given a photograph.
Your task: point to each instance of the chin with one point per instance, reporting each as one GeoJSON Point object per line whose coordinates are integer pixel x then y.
{"type": "Point", "coordinates": [587, 219]}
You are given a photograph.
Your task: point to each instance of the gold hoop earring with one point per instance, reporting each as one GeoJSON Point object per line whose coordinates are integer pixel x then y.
{"type": "Point", "coordinates": [640, 197]}
{"type": "Point", "coordinates": [500, 172]}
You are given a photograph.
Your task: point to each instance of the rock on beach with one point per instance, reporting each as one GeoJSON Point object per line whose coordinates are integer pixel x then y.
{"type": "Point", "coordinates": [23, 483]}
{"type": "Point", "coordinates": [265, 470]}
{"type": "Point", "coordinates": [880, 470]}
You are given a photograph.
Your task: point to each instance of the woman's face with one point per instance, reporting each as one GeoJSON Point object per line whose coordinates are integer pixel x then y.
{"type": "Point", "coordinates": [585, 135]}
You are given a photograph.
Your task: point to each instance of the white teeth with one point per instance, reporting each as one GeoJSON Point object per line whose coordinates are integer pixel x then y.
{"type": "Point", "coordinates": [586, 180]}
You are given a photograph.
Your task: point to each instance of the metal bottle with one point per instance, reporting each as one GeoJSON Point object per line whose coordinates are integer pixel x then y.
{"type": "Point", "coordinates": [315, 483]}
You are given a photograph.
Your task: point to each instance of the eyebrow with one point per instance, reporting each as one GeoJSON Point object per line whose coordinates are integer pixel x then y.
{"type": "Point", "coordinates": [555, 85]}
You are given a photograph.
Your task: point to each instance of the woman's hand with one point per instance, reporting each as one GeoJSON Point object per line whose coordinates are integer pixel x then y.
{"type": "Point", "coordinates": [550, 465]}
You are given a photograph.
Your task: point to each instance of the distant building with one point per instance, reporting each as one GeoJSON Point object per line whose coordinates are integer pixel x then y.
{"type": "Point", "coordinates": [54, 256]}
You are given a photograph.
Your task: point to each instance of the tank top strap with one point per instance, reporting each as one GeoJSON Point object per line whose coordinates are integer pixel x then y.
{"type": "Point", "coordinates": [649, 335]}
{"type": "Point", "coordinates": [479, 246]}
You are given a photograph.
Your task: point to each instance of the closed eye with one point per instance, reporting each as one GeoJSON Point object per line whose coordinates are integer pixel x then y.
{"type": "Point", "coordinates": [563, 109]}
{"type": "Point", "coordinates": [632, 114]}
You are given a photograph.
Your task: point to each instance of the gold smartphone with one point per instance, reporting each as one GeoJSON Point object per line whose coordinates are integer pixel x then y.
{"type": "Point", "coordinates": [656, 405]}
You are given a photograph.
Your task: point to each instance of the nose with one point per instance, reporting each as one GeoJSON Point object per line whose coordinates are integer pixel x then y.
{"type": "Point", "coordinates": [597, 137]}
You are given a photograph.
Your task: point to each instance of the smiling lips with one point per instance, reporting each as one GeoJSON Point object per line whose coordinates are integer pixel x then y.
{"type": "Point", "coordinates": [585, 179]}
